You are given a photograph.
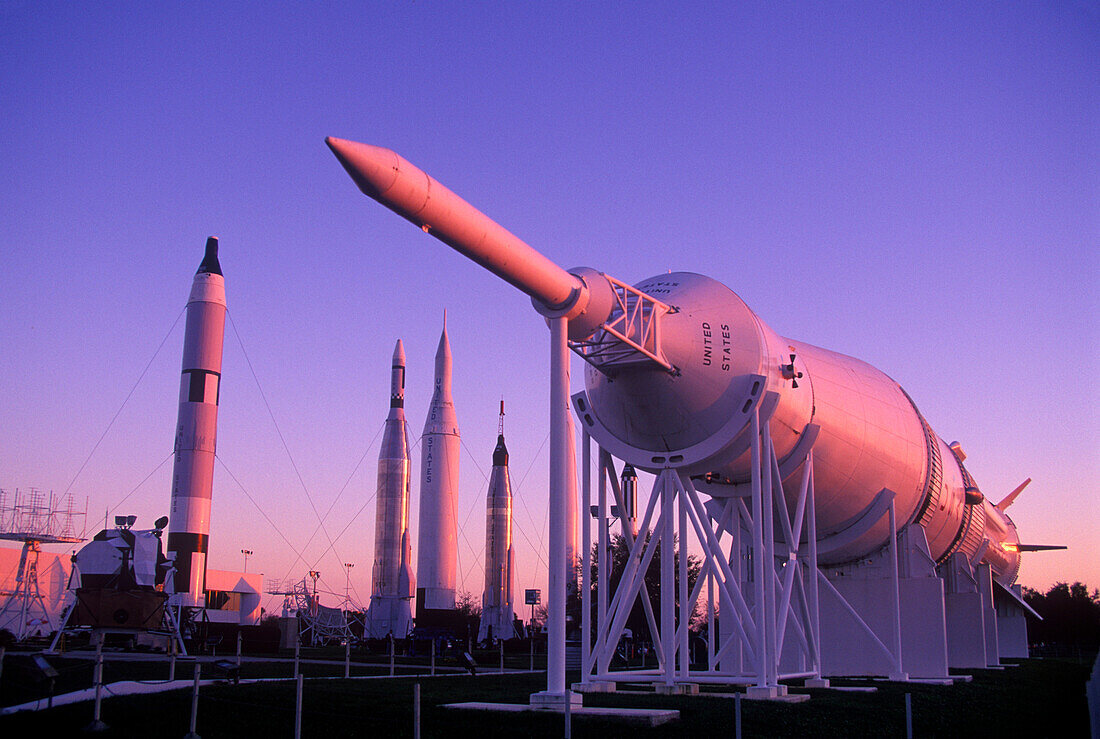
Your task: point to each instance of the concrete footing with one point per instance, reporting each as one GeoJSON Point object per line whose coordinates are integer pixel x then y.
{"type": "Point", "coordinates": [789, 698]}
{"type": "Point", "coordinates": [676, 689]}
{"type": "Point", "coordinates": [594, 687]}
{"type": "Point", "coordinates": [758, 692]}
{"type": "Point", "coordinates": [547, 700]}
{"type": "Point", "coordinates": [636, 716]}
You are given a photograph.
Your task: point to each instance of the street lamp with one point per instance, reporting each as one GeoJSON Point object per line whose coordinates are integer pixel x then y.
{"type": "Point", "coordinates": [247, 553]}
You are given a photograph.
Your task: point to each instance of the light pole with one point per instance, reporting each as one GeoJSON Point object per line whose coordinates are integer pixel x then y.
{"type": "Point", "coordinates": [347, 582]}
{"type": "Point", "coordinates": [247, 553]}
{"type": "Point", "coordinates": [315, 574]}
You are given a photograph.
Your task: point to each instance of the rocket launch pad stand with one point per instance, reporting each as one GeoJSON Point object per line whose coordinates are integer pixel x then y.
{"type": "Point", "coordinates": [773, 627]}
{"type": "Point", "coordinates": [770, 603]}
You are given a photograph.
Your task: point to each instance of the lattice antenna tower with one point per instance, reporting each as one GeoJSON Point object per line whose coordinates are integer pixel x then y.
{"type": "Point", "coordinates": [34, 518]}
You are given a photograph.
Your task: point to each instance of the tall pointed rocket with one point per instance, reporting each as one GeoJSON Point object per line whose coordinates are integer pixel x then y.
{"type": "Point", "coordinates": [196, 430]}
{"type": "Point", "coordinates": [497, 602]}
{"type": "Point", "coordinates": [391, 576]}
{"type": "Point", "coordinates": [437, 548]}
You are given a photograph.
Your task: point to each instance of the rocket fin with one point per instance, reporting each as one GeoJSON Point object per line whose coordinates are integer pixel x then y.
{"type": "Point", "coordinates": [1011, 497]}
{"type": "Point", "coordinates": [1039, 547]}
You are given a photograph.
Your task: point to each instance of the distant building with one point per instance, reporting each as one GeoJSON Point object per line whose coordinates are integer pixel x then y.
{"type": "Point", "coordinates": [233, 597]}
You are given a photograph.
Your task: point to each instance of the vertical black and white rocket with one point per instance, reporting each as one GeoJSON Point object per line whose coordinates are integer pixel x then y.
{"type": "Point", "coordinates": [196, 430]}
{"type": "Point", "coordinates": [497, 602]}
{"type": "Point", "coordinates": [392, 583]}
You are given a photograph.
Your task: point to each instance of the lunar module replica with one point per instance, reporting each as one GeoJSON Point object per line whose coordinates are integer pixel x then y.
{"type": "Point", "coordinates": [840, 534]}
{"type": "Point", "coordinates": [117, 584]}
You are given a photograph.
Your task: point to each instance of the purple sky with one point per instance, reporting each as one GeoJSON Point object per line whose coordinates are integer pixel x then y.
{"type": "Point", "coordinates": [915, 185]}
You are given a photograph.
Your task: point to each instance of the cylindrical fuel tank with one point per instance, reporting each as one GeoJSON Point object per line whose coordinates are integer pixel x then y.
{"type": "Point", "coordinates": [872, 435]}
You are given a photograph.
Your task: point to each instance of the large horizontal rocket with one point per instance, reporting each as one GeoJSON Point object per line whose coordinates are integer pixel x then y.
{"type": "Point", "coordinates": [706, 360]}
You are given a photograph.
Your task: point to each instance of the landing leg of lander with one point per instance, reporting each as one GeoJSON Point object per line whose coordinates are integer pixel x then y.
{"type": "Point", "coordinates": [172, 623]}
{"type": "Point", "coordinates": [69, 608]}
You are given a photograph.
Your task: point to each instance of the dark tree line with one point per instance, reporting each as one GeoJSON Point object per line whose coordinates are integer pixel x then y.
{"type": "Point", "coordinates": [636, 622]}
{"type": "Point", "coordinates": [1071, 615]}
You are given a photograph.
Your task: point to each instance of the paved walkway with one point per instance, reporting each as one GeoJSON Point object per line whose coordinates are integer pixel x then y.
{"type": "Point", "coordinates": [135, 687]}
{"type": "Point", "coordinates": [636, 716]}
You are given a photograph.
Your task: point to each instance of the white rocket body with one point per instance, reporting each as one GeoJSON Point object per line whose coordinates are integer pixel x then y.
{"type": "Point", "coordinates": [498, 600]}
{"type": "Point", "coordinates": [437, 548]}
{"type": "Point", "coordinates": [392, 585]}
{"type": "Point", "coordinates": [724, 358]}
{"type": "Point", "coordinates": [196, 430]}
{"type": "Point", "coordinates": [872, 435]}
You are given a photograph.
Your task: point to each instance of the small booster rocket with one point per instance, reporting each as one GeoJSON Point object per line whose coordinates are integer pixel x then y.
{"type": "Point", "coordinates": [196, 430]}
{"type": "Point", "coordinates": [390, 608]}
{"type": "Point", "coordinates": [437, 549]}
{"type": "Point", "coordinates": [497, 614]}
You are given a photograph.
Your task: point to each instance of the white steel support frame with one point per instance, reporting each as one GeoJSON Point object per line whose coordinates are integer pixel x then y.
{"type": "Point", "coordinates": [603, 565]}
{"type": "Point", "coordinates": [631, 335]}
{"type": "Point", "coordinates": [882, 505]}
{"type": "Point", "coordinates": [777, 608]}
{"type": "Point", "coordinates": [563, 483]}
{"type": "Point", "coordinates": [586, 542]}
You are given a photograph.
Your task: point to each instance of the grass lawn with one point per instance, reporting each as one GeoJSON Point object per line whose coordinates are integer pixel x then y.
{"type": "Point", "coordinates": [1039, 698]}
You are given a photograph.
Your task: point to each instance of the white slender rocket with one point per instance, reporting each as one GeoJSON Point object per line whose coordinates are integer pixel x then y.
{"type": "Point", "coordinates": [437, 548]}
{"type": "Point", "coordinates": [390, 608]}
{"type": "Point", "coordinates": [196, 430]}
{"type": "Point", "coordinates": [497, 602]}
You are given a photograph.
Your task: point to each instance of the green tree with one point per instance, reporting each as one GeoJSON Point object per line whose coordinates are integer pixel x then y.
{"type": "Point", "coordinates": [636, 621]}
{"type": "Point", "coordinates": [468, 606]}
{"type": "Point", "coordinates": [1071, 615]}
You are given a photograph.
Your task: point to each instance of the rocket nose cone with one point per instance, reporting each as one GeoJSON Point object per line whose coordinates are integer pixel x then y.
{"type": "Point", "coordinates": [500, 454]}
{"type": "Point", "coordinates": [399, 354]}
{"type": "Point", "coordinates": [443, 351]}
{"type": "Point", "coordinates": [210, 264]}
{"type": "Point", "coordinates": [373, 168]}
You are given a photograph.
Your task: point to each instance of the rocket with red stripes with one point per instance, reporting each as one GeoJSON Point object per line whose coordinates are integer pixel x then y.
{"type": "Point", "coordinates": [196, 430]}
